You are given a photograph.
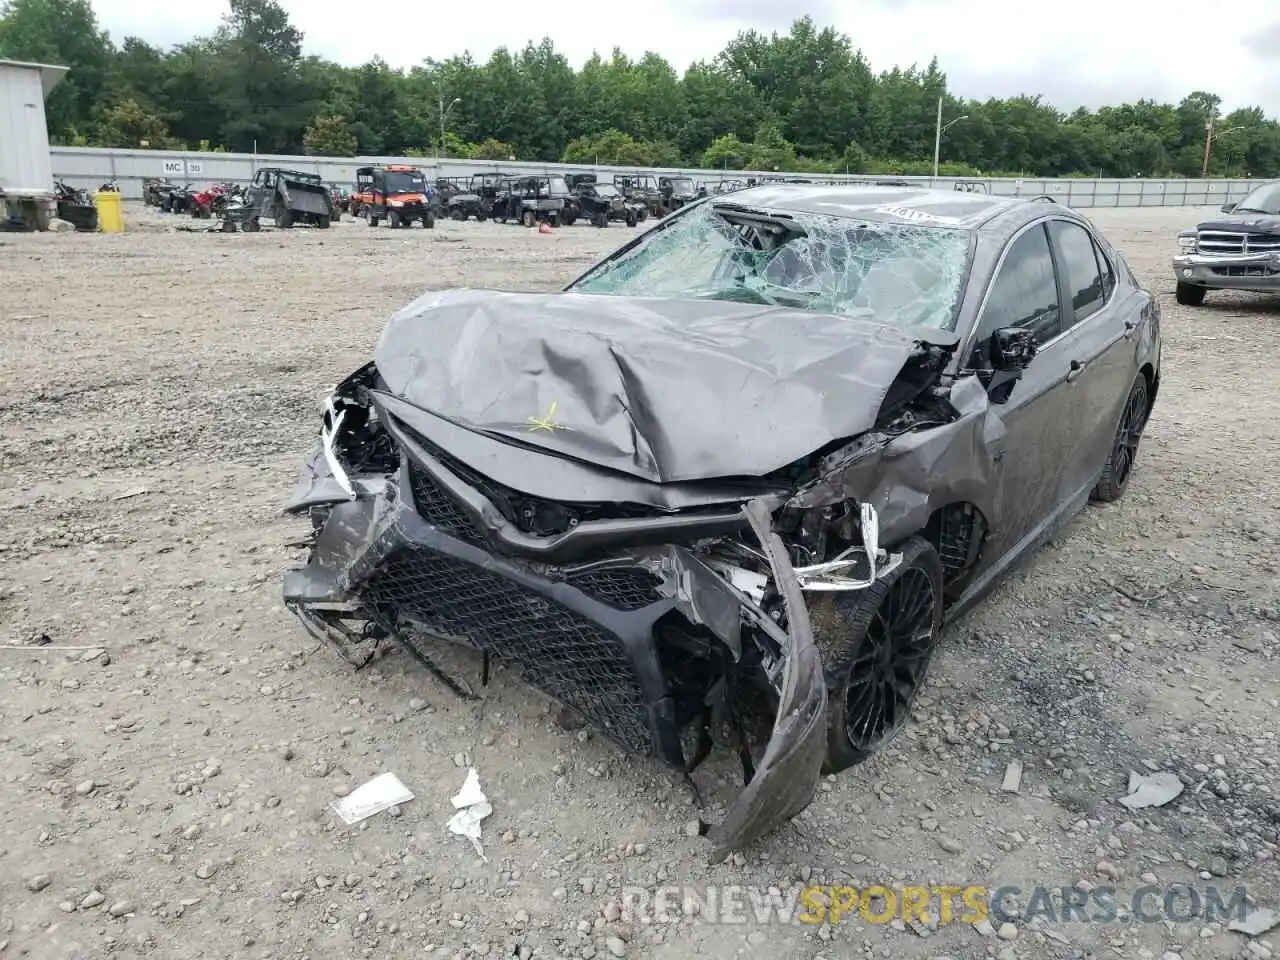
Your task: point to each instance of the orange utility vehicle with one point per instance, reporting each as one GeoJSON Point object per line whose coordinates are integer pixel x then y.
{"type": "Point", "coordinates": [396, 193]}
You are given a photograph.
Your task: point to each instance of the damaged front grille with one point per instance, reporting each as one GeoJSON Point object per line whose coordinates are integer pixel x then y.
{"type": "Point", "coordinates": [560, 652]}
{"type": "Point", "coordinates": [623, 588]}
{"type": "Point", "coordinates": [437, 508]}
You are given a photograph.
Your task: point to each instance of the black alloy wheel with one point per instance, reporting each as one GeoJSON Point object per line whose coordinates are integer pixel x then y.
{"type": "Point", "coordinates": [1124, 449]}
{"type": "Point", "coordinates": [876, 648]}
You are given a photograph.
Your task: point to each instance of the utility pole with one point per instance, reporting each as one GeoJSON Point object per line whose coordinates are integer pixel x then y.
{"type": "Point", "coordinates": [444, 117]}
{"type": "Point", "coordinates": [1210, 138]}
{"type": "Point", "coordinates": [937, 140]}
{"type": "Point", "coordinates": [939, 130]}
{"type": "Point", "coordinates": [1208, 145]}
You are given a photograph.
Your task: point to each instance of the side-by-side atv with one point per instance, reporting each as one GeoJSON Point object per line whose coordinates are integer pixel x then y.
{"type": "Point", "coordinates": [397, 194]}
{"type": "Point", "coordinates": [601, 203]}
{"type": "Point", "coordinates": [677, 191]}
{"type": "Point", "coordinates": [464, 197]}
{"type": "Point", "coordinates": [533, 200]}
{"type": "Point", "coordinates": [288, 197]}
{"type": "Point", "coordinates": [642, 188]}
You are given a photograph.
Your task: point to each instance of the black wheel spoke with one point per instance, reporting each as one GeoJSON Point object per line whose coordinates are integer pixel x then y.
{"type": "Point", "coordinates": [887, 668]}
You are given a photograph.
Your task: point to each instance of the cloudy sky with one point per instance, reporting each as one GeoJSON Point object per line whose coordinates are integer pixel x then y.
{"type": "Point", "coordinates": [1082, 52]}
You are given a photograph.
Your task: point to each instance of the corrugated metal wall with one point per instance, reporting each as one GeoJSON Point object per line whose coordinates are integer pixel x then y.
{"type": "Point", "coordinates": [87, 167]}
{"type": "Point", "coordinates": [24, 139]}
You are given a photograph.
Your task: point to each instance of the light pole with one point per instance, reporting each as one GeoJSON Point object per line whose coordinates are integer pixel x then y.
{"type": "Point", "coordinates": [1209, 138]}
{"type": "Point", "coordinates": [444, 118]}
{"type": "Point", "coordinates": [939, 130]}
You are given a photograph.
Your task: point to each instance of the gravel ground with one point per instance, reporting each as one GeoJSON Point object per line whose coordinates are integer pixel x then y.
{"type": "Point", "coordinates": [165, 784]}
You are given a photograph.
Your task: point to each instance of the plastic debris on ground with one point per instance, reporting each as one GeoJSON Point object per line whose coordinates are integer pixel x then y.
{"type": "Point", "coordinates": [1256, 922]}
{"type": "Point", "coordinates": [472, 806]}
{"type": "Point", "coordinates": [1152, 791]}
{"type": "Point", "coordinates": [381, 793]}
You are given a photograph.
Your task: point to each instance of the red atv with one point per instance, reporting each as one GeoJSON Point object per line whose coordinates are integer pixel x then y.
{"type": "Point", "coordinates": [210, 200]}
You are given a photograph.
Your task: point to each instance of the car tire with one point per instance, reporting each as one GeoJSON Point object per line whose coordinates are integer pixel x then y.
{"type": "Point", "coordinates": [529, 218]}
{"type": "Point", "coordinates": [252, 225]}
{"type": "Point", "coordinates": [322, 222]}
{"type": "Point", "coordinates": [284, 217]}
{"type": "Point", "coordinates": [1190, 295]}
{"type": "Point", "coordinates": [852, 629]}
{"type": "Point", "coordinates": [632, 220]}
{"type": "Point", "coordinates": [373, 221]}
{"type": "Point", "coordinates": [428, 221]}
{"type": "Point", "coordinates": [1124, 447]}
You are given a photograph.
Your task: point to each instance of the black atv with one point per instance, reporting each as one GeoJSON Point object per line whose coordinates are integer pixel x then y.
{"type": "Point", "coordinates": [601, 203]}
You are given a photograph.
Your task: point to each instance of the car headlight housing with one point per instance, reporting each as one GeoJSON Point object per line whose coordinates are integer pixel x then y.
{"type": "Point", "coordinates": [395, 203]}
{"type": "Point", "coordinates": [1187, 242]}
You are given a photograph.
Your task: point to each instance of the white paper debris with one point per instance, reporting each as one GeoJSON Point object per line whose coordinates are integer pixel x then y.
{"type": "Point", "coordinates": [1012, 777]}
{"type": "Point", "coordinates": [381, 793]}
{"type": "Point", "coordinates": [1256, 922]}
{"type": "Point", "coordinates": [472, 806]}
{"type": "Point", "coordinates": [1153, 791]}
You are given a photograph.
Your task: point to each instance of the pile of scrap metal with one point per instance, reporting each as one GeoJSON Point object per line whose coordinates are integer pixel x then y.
{"type": "Point", "coordinates": [228, 209]}
{"type": "Point", "coordinates": [76, 207]}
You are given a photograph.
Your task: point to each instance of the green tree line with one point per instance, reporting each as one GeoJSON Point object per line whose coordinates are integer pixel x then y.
{"type": "Point", "coordinates": [804, 101]}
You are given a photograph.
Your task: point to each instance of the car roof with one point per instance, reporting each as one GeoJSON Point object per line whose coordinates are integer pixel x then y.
{"type": "Point", "coordinates": [888, 204]}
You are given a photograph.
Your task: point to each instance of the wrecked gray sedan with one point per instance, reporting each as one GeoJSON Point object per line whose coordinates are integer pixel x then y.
{"type": "Point", "coordinates": [728, 485]}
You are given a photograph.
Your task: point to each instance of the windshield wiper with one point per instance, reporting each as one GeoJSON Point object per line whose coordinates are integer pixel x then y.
{"type": "Point", "coordinates": [1268, 213]}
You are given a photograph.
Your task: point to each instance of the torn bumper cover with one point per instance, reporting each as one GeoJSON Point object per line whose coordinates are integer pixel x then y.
{"type": "Point", "coordinates": [404, 554]}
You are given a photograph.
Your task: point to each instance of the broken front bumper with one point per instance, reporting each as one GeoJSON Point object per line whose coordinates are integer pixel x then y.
{"type": "Point", "coordinates": [1260, 271]}
{"type": "Point", "coordinates": [412, 553]}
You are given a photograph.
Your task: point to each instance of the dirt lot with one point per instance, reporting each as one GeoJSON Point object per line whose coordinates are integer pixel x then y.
{"type": "Point", "coordinates": [165, 785]}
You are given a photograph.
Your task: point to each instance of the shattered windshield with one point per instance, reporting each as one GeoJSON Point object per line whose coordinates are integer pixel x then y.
{"type": "Point", "coordinates": [405, 183]}
{"type": "Point", "coordinates": [1265, 199]}
{"type": "Point", "coordinates": [905, 274]}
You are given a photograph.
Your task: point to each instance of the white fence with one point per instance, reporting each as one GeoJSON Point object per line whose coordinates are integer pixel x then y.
{"type": "Point", "coordinates": [89, 167]}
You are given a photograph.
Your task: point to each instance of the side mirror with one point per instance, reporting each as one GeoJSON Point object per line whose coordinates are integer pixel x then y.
{"type": "Point", "coordinates": [1012, 349]}
{"type": "Point", "coordinates": [1228, 207]}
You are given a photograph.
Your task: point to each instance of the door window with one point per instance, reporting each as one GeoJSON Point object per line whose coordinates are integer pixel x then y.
{"type": "Point", "coordinates": [1079, 265]}
{"type": "Point", "coordinates": [1024, 292]}
{"type": "Point", "coordinates": [1108, 273]}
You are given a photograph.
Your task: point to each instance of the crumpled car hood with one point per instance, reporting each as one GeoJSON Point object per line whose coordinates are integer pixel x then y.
{"type": "Point", "coordinates": [662, 389]}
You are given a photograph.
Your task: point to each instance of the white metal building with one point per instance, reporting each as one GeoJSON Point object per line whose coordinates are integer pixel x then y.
{"type": "Point", "coordinates": [26, 171]}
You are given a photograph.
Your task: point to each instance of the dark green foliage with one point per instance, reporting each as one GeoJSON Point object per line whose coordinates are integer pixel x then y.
{"type": "Point", "coordinates": [807, 100]}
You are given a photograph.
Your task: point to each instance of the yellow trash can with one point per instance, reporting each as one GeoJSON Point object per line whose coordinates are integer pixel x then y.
{"type": "Point", "coordinates": [110, 204]}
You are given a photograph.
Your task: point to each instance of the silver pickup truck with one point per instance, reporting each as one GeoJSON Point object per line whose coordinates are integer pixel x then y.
{"type": "Point", "coordinates": [1237, 251]}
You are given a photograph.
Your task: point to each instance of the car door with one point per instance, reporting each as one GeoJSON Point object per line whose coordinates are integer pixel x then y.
{"type": "Point", "coordinates": [1099, 330]}
{"type": "Point", "coordinates": [1025, 292]}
